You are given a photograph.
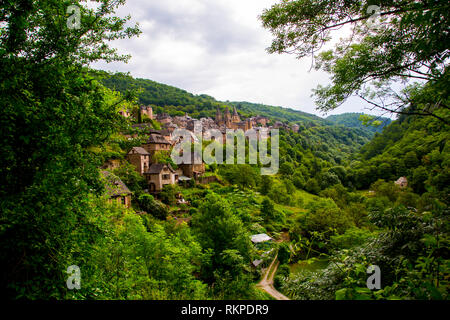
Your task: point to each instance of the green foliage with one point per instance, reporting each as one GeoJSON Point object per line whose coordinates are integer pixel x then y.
{"type": "Point", "coordinates": [132, 263]}
{"type": "Point", "coordinates": [284, 253]}
{"type": "Point", "coordinates": [148, 203]}
{"type": "Point", "coordinates": [325, 217]}
{"type": "Point", "coordinates": [409, 252]}
{"type": "Point", "coordinates": [168, 194]}
{"type": "Point", "coordinates": [223, 236]}
{"type": "Point", "coordinates": [393, 48]}
{"type": "Point", "coordinates": [132, 179]}
{"type": "Point", "coordinates": [287, 169]}
{"type": "Point", "coordinates": [242, 174]}
{"type": "Point", "coordinates": [283, 272]}
{"type": "Point", "coordinates": [53, 111]}
{"type": "Point", "coordinates": [265, 185]}
{"type": "Point", "coordinates": [360, 120]}
{"type": "Point", "coordinates": [312, 186]}
{"type": "Point", "coordinates": [352, 237]}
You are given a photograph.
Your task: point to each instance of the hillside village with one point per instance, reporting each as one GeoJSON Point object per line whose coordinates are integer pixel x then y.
{"type": "Point", "coordinates": [144, 157]}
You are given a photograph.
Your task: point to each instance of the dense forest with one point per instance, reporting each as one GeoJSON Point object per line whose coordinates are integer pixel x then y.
{"type": "Point", "coordinates": [334, 208]}
{"type": "Point", "coordinates": [360, 120]}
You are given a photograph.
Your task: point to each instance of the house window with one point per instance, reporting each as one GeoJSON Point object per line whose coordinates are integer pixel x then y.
{"type": "Point", "coordinates": [166, 176]}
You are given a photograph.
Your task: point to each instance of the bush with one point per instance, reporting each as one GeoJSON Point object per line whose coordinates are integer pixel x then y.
{"type": "Point", "coordinates": [168, 193]}
{"type": "Point", "coordinates": [152, 206]}
{"type": "Point", "coordinates": [324, 216]}
{"type": "Point", "coordinates": [312, 186]}
{"type": "Point", "coordinates": [284, 253]}
{"type": "Point", "coordinates": [351, 238]}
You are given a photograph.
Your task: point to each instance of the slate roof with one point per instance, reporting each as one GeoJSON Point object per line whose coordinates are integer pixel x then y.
{"type": "Point", "coordinates": [156, 168]}
{"type": "Point", "coordinates": [138, 150]}
{"type": "Point", "coordinates": [114, 186]}
{"type": "Point", "coordinates": [157, 138]}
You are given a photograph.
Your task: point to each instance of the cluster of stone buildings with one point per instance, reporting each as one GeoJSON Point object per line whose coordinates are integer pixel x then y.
{"type": "Point", "coordinates": [223, 120]}
{"type": "Point", "coordinates": [156, 174]}
{"type": "Point", "coordinates": [144, 159]}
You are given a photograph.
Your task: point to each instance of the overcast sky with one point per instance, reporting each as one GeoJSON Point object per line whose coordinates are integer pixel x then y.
{"type": "Point", "coordinates": [217, 47]}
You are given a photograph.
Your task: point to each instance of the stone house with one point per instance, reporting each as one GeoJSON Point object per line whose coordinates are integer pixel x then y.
{"type": "Point", "coordinates": [295, 127]}
{"type": "Point", "coordinates": [194, 168]}
{"type": "Point", "coordinates": [125, 113]}
{"type": "Point", "coordinates": [139, 158]}
{"type": "Point", "coordinates": [111, 164]}
{"type": "Point", "coordinates": [158, 175]}
{"type": "Point", "coordinates": [402, 182]}
{"type": "Point", "coordinates": [116, 189]}
{"type": "Point", "coordinates": [259, 120]}
{"type": "Point", "coordinates": [164, 118]}
{"type": "Point", "coordinates": [156, 142]}
{"type": "Point", "coordinates": [147, 110]}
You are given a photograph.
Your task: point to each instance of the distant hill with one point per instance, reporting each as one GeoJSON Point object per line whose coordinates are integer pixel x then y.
{"type": "Point", "coordinates": [175, 101]}
{"type": "Point", "coordinates": [352, 120]}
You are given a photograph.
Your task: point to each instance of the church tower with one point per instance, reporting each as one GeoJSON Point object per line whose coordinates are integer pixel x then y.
{"type": "Point", "coordinates": [227, 117]}
{"type": "Point", "coordinates": [235, 118]}
{"type": "Point", "coordinates": [219, 118]}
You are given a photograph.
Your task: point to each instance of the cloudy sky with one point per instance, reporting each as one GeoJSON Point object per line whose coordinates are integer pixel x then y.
{"type": "Point", "coordinates": [217, 47]}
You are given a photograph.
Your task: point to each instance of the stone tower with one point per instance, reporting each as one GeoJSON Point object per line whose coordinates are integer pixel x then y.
{"type": "Point", "coordinates": [227, 117]}
{"type": "Point", "coordinates": [235, 118]}
{"type": "Point", "coordinates": [219, 118]}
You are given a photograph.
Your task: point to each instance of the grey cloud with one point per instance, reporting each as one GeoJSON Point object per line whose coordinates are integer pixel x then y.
{"type": "Point", "coordinates": [216, 47]}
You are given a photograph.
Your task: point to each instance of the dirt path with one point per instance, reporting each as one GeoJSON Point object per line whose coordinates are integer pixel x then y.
{"type": "Point", "coordinates": [266, 282]}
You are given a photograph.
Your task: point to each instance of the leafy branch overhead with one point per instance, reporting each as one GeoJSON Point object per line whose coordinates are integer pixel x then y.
{"type": "Point", "coordinates": [38, 31]}
{"type": "Point", "coordinates": [386, 43]}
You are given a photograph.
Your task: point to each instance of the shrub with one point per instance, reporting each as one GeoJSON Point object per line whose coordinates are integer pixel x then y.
{"type": "Point", "coordinates": [152, 206]}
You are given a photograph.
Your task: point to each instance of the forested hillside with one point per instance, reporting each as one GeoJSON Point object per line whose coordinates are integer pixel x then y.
{"type": "Point", "coordinates": [176, 101]}
{"type": "Point", "coordinates": [356, 120]}
{"type": "Point", "coordinates": [414, 147]}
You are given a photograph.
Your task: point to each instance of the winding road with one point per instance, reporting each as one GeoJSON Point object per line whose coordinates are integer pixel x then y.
{"type": "Point", "coordinates": [266, 282]}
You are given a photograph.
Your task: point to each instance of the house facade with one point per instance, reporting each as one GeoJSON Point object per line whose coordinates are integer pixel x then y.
{"type": "Point", "coordinates": [158, 175]}
{"type": "Point", "coordinates": [139, 158]}
{"type": "Point", "coordinates": [117, 190]}
{"type": "Point", "coordinates": [194, 168]}
{"type": "Point", "coordinates": [156, 142]}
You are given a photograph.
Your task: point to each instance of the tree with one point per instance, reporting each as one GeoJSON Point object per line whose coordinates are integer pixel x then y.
{"type": "Point", "coordinates": [411, 160]}
{"type": "Point", "coordinates": [312, 186]}
{"type": "Point", "coordinates": [53, 112]}
{"type": "Point", "coordinates": [287, 169]}
{"type": "Point", "coordinates": [267, 210]}
{"type": "Point", "coordinates": [219, 230]}
{"type": "Point", "coordinates": [265, 185]}
{"type": "Point", "coordinates": [399, 40]}
{"type": "Point", "coordinates": [168, 194]}
{"type": "Point", "coordinates": [328, 179]}
{"type": "Point", "coordinates": [284, 253]}
{"type": "Point", "coordinates": [419, 176]}
{"type": "Point", "coordinates": [148, 203]}
{"type": "Point", "coordinates": [132, 179]}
